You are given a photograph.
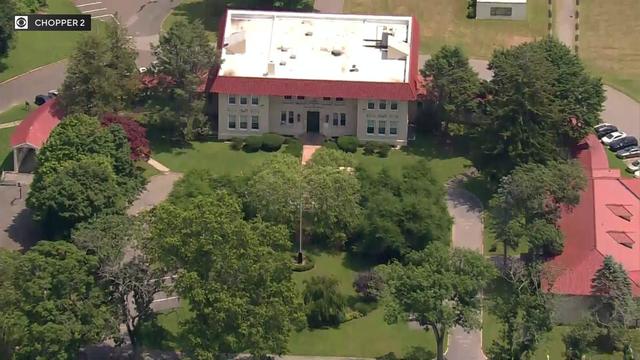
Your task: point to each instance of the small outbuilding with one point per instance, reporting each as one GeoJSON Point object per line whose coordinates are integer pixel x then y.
{"type": "Point", "coordinates": [501, 9]}
{"type": "Point", "coordinates": [31, 134]}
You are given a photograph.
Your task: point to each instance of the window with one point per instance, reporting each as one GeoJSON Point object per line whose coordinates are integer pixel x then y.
{"type": "Point", "coordinates": [255, 122]}
{"type": "Point", "coordinates": [393, 128]}
{"type": "Point", "coordinates": [343, 119]}
{"type": "Point", "coordinates": [383, 105]}
{"type": "Point", "coordinates": [243, 100]}
{"type": "Point", "coordinates": [394, 105]}
{"type": "Point", "coordinates": [338, 99]}
{"type": "Point", "coordinates": [243, 121]}
{"type": "Point", "coordinates": [335, 119]}
{"type": "Point", "coordinates": [290, 117]}
{"type": "Point", "coordinates": [300, 97]}
{"type": "Point", "coordinates": [283, 117]}
{"type": "Point", "coordinates": [232, 99]}
{"type": "Point", "coordinates": [371, 105]}
{"type": "Point", "coordinates": [232, 121]}
{"type": "Point", "coordinates": [382, 127]}
{"type": "Point", "coordinates": [326, 118]}
{"type": "Point", "coordinates": [370, 126]}
{"type": "Point", "coordinates": [287, 97]}
{"type": "Point", "coordinates": [298, 117]}
{"type": "Point", "coordinates": [500, 11]}
{"type": "Point", "coordinates": [255, 100]}
{"type": "Point", "coordinates": [326, 98]}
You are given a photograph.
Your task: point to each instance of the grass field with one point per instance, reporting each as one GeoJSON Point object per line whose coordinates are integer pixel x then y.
{"type": "Point", "coordinates": [609, 44]}
{"type": "Point", "coordinates": [197, 10]}
{"type": "Point", "coordinates": [6, 160]}
{"type": "Point", "coordinates": [15, 113]}
{"type": "Point", "coordinates": [445, 22]}
{"type": "Point", "coordinates": [616, 163]}
{"type": "Point", "coordinates": [32, 49]}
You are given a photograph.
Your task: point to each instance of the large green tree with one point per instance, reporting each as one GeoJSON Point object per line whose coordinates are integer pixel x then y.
{"type": "Point", "coordinates": [106, 237]}
{"type": "Point", "coordinates": [451, 83]}
{"type": "Point", "coordinates": [13, 322]}
{"type": "Point", "coordinates": [269, 4]}
{"type": "Point", "coordinates": [7, 12]}
{"type": "Point", "coordinates": [324, 304]}
{"type": "Point", "coordinates": [541, 102]}
{"type": "Point", "coordinates": [235, 274]}
{"type": "Point", "coordinates": [524, 308]}
{"type": "Point", "coordinates": [528, 202]}
{"type": "Point", "coordinates": [64, 306]}
{"type": "Point", "coordinates": [101, 75]}
{"type": "Point", "coordinates": [438, 287]}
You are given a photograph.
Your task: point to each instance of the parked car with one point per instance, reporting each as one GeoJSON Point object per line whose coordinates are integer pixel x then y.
{"type": "Point", "coordinates": [633, 166]}
{"type": "Point", "coordinates": [630, 152]}
{"type": "Point", "coordinates": [601, 125]}
{"type": "Point", "coordinates": [613, 137]}
{"type": "Point", "coordinates": [625, 142]}
{"type": "Point", "coordinates": [40, 99]}
{"type": "Point", "coordinates": [605, 130]}
{"type": "Point", "coordinates": [636, 174]}
{"type": "Point", "coordinates": [52, 93]}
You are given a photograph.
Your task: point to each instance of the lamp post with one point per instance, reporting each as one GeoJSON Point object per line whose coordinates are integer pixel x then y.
{"type": "Point", "coordinates": [300, 256]}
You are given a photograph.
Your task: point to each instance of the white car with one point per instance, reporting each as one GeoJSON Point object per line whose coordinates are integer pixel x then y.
{"type": "Point", "coordinates": [633, 166]}
{"type": "Point", "coordinates": [613, 136]}
{"type": "Point", "coordinates": [636, 174]}
{"type": "Point", "coordinates": [142, 70]}
{"type": "Point", "coordinates": [601, 125]}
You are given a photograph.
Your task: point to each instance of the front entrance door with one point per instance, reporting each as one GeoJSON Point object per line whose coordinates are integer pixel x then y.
{"type": "Point", "coordinates": [313, 121]}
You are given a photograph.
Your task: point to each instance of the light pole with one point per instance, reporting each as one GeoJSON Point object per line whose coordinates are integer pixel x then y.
{"type": "Point", "coordinates": [300, 257]}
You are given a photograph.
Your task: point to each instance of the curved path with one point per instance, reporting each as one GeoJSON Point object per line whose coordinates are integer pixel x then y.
{"type": "Point", "coordinates": [466, 211]}
{"type": "Point", "coordinates": [143, 19]}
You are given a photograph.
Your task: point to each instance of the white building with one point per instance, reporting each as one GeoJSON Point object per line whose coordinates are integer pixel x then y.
{"type": "Point", "coordinates": [501, 9]}
{"type": "Point", "coordinates": [297, 73]}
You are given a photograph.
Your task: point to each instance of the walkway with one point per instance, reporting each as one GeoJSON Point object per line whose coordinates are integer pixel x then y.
{"type": "Point", "coordinates": [156, 191]}
{"type": "Point", "coordinates": [565, 22]}
{"type": "Point", "coordinates": [307, 152]}
{"type": "Point", "coordinates": [466, 211]}
{"type": "Point", "coordinates": [10, 124]}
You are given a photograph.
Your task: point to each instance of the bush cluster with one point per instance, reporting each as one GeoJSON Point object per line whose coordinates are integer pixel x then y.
{"type": "Point", "coordinates": [307, 265]}
{"type": "Point", "coordinates": [272, 142]}
{"type": "Point", "coordinates": [330, 144]}
{"type": "Point", "coordinates": [265, 142]}
{"type": "Point", "coordinates": [348, 143]}
{"type": "Point", "coordinates": [236, 143]}
{"type": "Point", "coordinates": [294, 147]}
{"type": "Point", "coordinates": [252, 143]}
{"type": "Point", "coordinates": [471, 9]}
{"type": "Point", "coordinates": [379, 148]}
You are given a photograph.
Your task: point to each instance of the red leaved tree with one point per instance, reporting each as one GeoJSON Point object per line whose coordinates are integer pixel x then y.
{"type": "Point", "coordinates": [136, 134]}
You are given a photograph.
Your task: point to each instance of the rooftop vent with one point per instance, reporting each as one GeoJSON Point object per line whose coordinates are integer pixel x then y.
{"type": "Point", "coordinates": [308, 33]}
{"type": "Point", "coordinates": [354, 68]}
{"type": "Point", "coordinates": [283, 63]}
{"type": "Point", "coordinates": [271, 69]}
{"type": "Point", "coordinates": [283, 48]}
{"type": "Point", "coordinates": [292, 56]}
{"type": "Point", "coordinates": [336, 52]}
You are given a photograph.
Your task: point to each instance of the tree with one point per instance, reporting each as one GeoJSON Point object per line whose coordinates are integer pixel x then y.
{"type": "Point", "coordinates": [14, 322]}
{"type": "Point", "coordinates": [136, 134]}
{"type": "Point", "coordinates": [185, 56]}
{"type": "Point", "coordinates": [79, 191]}
{"type": "Point", "coordinates": [325, 305]}
{"type": "Point", "coordinates": [7, 12]}
{"type": "Point", "coordinates": [332, 158]}
{"type": "Point", "coordinates": [524, 309]}
{"type": "Point", "coordinates": [528, 203]}
{"type": "Point", "coordinates": [101, 75]}
{"type": "Point", "coordinates": [579, 340]}
{"type": "Point", "coordinates": [615, 307]}
{"type": "Point", "coordinates": [369, 284]}
{"type": "Point", "coordinates": [439, 288]}
{"type": "Point", "coordinates": [451, 83]}
{"type": "Point", "coordinates": [541, 103]}
{"type": "Point", "coordinates": [64, 305]}
{"type": "Point", "coordinates": [235, 274]}
{"type": "Point", "coordinates": [305, 5]}
{"type": "Point", "coordinates": [29, 6]}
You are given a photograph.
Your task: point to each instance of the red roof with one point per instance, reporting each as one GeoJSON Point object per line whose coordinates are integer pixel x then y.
{"type": "Point", "coordinates": [322, 88]}
{"type": "Point", "coordinates": [605, 222]}
{"type": "Point", "coordinates": [34, 130]}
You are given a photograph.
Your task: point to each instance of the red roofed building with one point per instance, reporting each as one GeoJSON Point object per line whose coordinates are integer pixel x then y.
{"type": "Point", "coordinates": [328, 74]}
{"type": "Point", "coordinates": [32, 133]}
{"type": "Point", "coordinates": [605, 222]}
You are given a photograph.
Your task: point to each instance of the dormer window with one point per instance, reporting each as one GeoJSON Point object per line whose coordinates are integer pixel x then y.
{"type": "Point", "coordinates": [621, 238]}
{"type": "Point", "coordinates": [620, 211]}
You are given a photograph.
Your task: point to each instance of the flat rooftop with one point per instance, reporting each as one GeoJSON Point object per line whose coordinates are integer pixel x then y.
{"type": "Point", "coordinates": [288, 45]}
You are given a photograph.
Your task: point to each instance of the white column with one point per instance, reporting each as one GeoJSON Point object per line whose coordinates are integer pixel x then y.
{"type": "Point", "coordinates": [16, 165]}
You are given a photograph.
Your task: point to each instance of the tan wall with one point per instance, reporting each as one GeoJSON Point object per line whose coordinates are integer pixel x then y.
{"type": "Point", "coordinates": [224, 109]}
{"type": "Point", "coordinates": [301, 107]}
{"type": "Point", "coordinates": [518, 12]}
{"type": "Point", "coordinates": [400, 115]}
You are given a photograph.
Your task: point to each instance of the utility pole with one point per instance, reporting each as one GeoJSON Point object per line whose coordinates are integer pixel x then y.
{"type": "Point", "coordinates": [300, 257]}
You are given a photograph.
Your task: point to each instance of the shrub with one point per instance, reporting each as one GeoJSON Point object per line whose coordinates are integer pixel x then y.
{"type": "Point", "coordinates": [471, 9]}
{"type": "Point", "coordinates": [348, 143]}
{"type": "Point", "coordinates": [369, 285]}
{"type": "Point", "coordinates": [369, 148]}
{"type": "Point", "coordinates": [365, 307]}
{"type": "Point", "coordinates": [252, 143]}
{"type": "Point", "coordinates": [332, 158]}
{"type": "Point", "coordinates": [383, 150]}
{"type": "Point", "coordinates": [419, 353]}
{"type": "Point", "coordinates": [307, 265]}
{"type": "Point", "coordinates": [330, 144]}
{"type": "Point", "coordinates": [388, 356]}
{"type": "Point", "coordinates": [352, 315]}
{"type": "Point", "coordinates": [325, 305]}
{"type": "Point", "coordinates": [136, 134]}
{"type": "Point", "coordinates": [272, 142]}
{"type": "Point", "coordinates": [236, 143]}
{"type": "Point", "coordinates": [294, 147]}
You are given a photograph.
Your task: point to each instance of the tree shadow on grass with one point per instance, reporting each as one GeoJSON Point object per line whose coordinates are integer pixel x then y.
{"type": "Point", "coordinates": [7, 163]}
{"type": "Point", "coordinates": [208, 13]}
{"type": "Point", "coordinates": [431, 146]}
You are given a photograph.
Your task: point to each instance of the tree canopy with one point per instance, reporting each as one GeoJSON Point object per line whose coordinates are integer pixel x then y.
{"type": "Point", "coordinates": [102, 74]}
{"type": "Point", "coordinates": [58, 306]}
{"type": "Point", "coordinates": [7, 12]}
{"type": "Point", "coordinates": [439, 288]}
{"type": "Point", "coordinates": [235, 274]}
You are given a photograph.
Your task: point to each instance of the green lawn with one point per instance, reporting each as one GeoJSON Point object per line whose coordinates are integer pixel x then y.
{"type": "Point", "coordinates": [616, 163]}
{"type": "Point", "coordinates": [32, 49]}
{"type": "Point", "coordinates": [6, 160]}
{"type": "Point", "coordinates": [609, 42]}
{"type": "Point", "coordinates": [148, 170]}
{"type": "Point", "coordinates": [197, 10]}
{"type": "Point", "coordinates": [16, 113]}
{"type": "Point", "coordinates": [445, 22]}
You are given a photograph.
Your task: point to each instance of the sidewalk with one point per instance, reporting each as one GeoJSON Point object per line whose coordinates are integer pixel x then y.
{"type": "Point", "coordinates": [565, 22]}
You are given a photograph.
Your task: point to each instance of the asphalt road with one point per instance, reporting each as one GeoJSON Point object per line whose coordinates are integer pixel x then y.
{"type": "Point", "coordinates": [143, 19]}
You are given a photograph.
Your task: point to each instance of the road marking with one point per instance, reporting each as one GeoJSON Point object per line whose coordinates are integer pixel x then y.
{"type": "Point", "coordinates": [94, 10]}
{"type": "Point", "coordinates": [107, 15]}
{"type": "Point", "coordinates": [88, 4]}
{"type": "Point", "coordinates": [166, 299]}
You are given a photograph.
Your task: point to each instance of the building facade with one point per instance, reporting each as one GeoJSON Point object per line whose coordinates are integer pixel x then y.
{"type": "Point", "coordinates": [501, 9]}
{"type": "Point", "coordinates": [300, 73]}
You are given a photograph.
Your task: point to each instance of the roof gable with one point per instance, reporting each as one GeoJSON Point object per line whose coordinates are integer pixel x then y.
{"type": "Point", "coordinates": [35, 129]}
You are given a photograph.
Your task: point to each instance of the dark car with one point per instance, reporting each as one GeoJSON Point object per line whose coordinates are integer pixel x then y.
{"type": "Point", "coordinates": [41, 99]}
{"type": "Point", "coordinates": [605, 130]}
{"type": "Point", "coordinates": [630, 152]}
{"type": "Point", "coordinates": [625, 142]}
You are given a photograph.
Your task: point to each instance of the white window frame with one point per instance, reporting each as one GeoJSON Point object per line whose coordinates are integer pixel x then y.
{"type": "Point", "coordinates": [343, 119]}
{"type": "Point", "coordinates": [372, 127]}
{"type": "Point", "coordinates": [245, 99]}
{"type": "Point", "coordinates": [382, 105]}
{"type": "Point", "coordinates": [235, 102]}
{"type": "Point", "coordinates": [235, 121]}
{"type": "Point", "coordinates": [257, 99]}
{"type": "Point", "coordinates": [384, 127]}
{"type": "Point", "coordinates": [393, 106]}
{"type": "Point", "coordinates": [371, 105]}
{"type": "Point", "coordinates": [283, 117]}
{"type": "Point", "coordinates": [257, 118]}
{"type": "Point", "coordinates": [246, 122]}
{"type": "Point", "coordinates": [336, 119]}
{"type": "Point", "coordinates": [291, 118]}
{"type": "Point", "coordinates": [391, 126]}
